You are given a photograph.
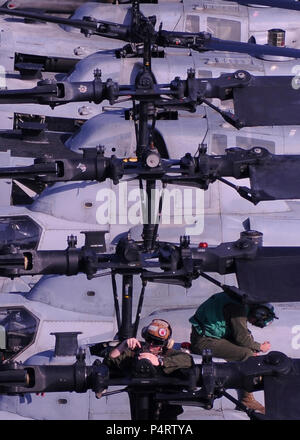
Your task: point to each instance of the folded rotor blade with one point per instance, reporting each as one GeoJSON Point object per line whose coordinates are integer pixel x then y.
{"type": "Point", "coordinates": [273, 100]}
{"type": "Point", "coordinates": [19, 96]}
{"type": "Point", "coordinates": [273, 276]}
{"type": "Point", "coordinates": [278, 179]}
{"type": "Point", "coordinates": [252, 49]}
{"type": "Point", "coordinates": [280, 389]}
{"type": "Point", "coordinates": [48, 18]}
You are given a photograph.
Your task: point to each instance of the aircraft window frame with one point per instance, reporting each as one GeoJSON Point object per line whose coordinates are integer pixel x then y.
{"type": "Point", "coordinates": [219, 143]}
{"type": "Point", "coordinates": [37, 324]}
{"type": "Point", "coordinates": [202, 73]}
{"type": "Point", "coordinates": [192, 23]}
{"type": "Point", "coordinates": [34, 240]}
{"type": "Point", "coordinates": [248, 142]}
{"type": "Point", "coordinates": [232, 31]}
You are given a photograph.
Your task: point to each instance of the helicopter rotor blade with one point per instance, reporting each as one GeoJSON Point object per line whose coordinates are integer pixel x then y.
{"type": "Point", "coordinates": [204, 41]}
{"type": "Point", "coordinates": [20, 96]}
{"type": "Point", "coordinates": [252, 49]}
{"type": "Point", "coordinates": [278, 93]}
{"type": "Point", "coordinates": [272, 276]}
{"type": "Point", "coordinates": [278, 179]}
{"type": "Point", "coordinates": [49, 18]}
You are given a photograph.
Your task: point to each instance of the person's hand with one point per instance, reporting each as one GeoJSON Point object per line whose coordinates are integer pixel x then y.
{"type": "Point", "coordinates": [151, 357]}
{"type": "Point", "coordinates": [132, 343]}
{"type": "Point", "coordinates": [265, 346]}
{"type": "Point", "coordinates": [100, 393]}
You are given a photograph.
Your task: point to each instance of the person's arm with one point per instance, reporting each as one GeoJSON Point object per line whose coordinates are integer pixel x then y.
{"type": "Point", "coordinates": [130, 344]}
{"type": "Point", "coordinates": [120, 357]}
{"type": "Point", "coordinates": [236, 316]}
{"type": "Point", "coordinates": [175, 360]}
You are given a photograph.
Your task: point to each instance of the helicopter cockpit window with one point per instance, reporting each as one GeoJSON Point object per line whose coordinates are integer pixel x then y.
{"type": "Point", "coordinates": [248, 143]}
{"type": "Point", "coordinates": [20, 231]}
{"type": "Point", "coordinates": [18, 328]}
{"type": "Point", "coordinates": [226, 29]}
{"type": "Point", "coordinates": [192, 23]}
{"type": "Point", "coordinates": [204, 74]}
{"type": "Point", "coordinates": [219, 143]}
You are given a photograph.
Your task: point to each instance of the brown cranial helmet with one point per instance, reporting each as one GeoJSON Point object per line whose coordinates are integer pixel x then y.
{"type": "Point", "coordinates": [158, 331]}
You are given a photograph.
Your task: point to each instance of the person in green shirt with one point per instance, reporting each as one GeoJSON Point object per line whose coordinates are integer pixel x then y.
{"type": "Point", "coordinates": [220, 324]}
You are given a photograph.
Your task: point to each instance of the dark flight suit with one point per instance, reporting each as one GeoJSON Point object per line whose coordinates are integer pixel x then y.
{"type": "Point", "coordinates": [237, 344]}
{"type": "Point", "coordinates": [173, 361]}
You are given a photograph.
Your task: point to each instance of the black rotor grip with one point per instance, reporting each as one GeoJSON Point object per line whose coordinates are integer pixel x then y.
{"type": "Point", "coordinates": [98, 91]}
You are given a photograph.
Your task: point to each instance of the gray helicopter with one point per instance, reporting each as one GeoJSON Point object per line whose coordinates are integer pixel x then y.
{"type": "Point", "coordinates": [20, 321]}
{"type": "Point", "coordinates": [240, 24]}
{"type": "Point", "coordinates": [164, 69]}
{"type": "Point", "coordinates": [205, 65]}
{"type": "Point", "coordinates": [58, 406]}
{"type": "Point", "coordinates": [40, 201]}
{"type": "Point", "coordinates": [172, 156]}
{"type": "Point", "coordinates": [33, 70]}
{"type": "Point", "coordinates": [87, 141]}
{"type": "Point", "coordinates": [105, 126]}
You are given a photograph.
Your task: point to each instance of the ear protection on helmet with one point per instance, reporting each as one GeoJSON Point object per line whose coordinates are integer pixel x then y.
{"type": "Point", "coordinates": [158, 331]}
{"type": "Point", "coordinates": [263, 314]}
